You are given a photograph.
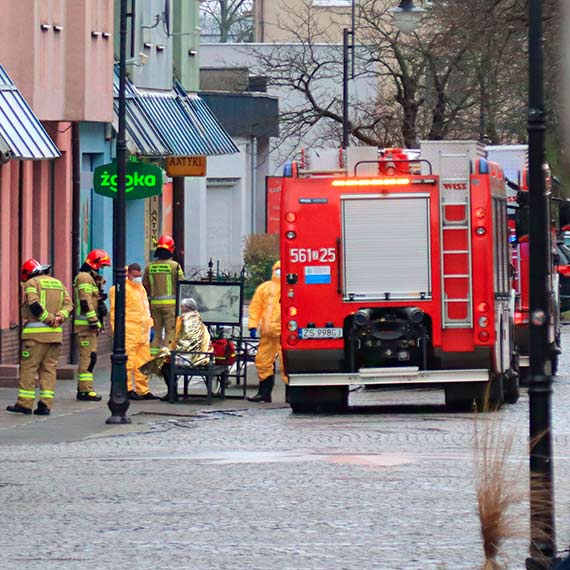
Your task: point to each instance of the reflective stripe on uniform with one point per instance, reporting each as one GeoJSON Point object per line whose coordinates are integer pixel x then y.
{"type": "Point", "coordinates": [39, 327]}
{"type": "Point", "coordinates": [30, 290]}
{"type": "Point", "coordinates": [86, 376]}
{"type": "Point", "coordinates": [163, 302]}
{"type": "Point", "coordinates": [47, 394]}
{"type": "Point", "coordinates": [154, 351]}
{"type": "Point", "coordinates": [44, 315]}
{"type": "Point", "coordinates": [159, 268]}
{"type": "Point", "coordinates": [64, 313]}
{"type": "Point", "coordinates": [90, 314]}
{"type": "Point", "coordinates": [84, 321]}
{"type": "Point", "coordinates": [51, 284]}
{"type": "Point", "coordinates": [26, 394]}
{"type": "Point", "coordinates": [88, 287]}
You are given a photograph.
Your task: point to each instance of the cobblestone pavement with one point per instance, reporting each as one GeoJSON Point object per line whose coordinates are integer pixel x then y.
{"type": "Point", "coordinates": [389, 487]}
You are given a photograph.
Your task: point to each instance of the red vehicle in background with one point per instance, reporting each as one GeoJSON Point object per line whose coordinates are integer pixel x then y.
{"type": "Point", "coordinates": [397, 272]}
{"type": "Point", "coordinates": [518, 226]}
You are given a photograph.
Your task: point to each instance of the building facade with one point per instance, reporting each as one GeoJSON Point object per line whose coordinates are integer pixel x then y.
{"type": "Point", "coordinates": [59, 56]}
{"type": "Point", "coordinates": [163, 69]}
{"type": "Point", "coordinates": [287, 21]}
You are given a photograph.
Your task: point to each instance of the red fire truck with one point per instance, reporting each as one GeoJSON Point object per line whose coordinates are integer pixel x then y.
{"type": "Point", "coordinates": [396, 272]}
{"type": "Point", "coordinates": [518, 224]}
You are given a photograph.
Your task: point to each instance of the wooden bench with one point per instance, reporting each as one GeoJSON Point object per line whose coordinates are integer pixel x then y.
{"type": "Point", "coordinates": [181, 365]}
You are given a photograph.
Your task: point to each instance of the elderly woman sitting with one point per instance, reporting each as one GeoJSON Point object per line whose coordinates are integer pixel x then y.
{"type": "Point", "coordinates": [191, 337]}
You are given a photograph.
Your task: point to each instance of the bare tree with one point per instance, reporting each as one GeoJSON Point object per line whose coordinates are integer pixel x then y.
{"type": "Point", "coordinates": [462, 74]}
{"type": "Point", "coordinates": [228, 20]}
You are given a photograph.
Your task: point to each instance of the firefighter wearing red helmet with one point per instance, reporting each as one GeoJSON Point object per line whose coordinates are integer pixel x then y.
{"type": "Point", "coordinates": [46, 306]}
{"type": "Point", "coordinates": [160, 281]}
{"type": "Point", "coordinates": [88, 292]}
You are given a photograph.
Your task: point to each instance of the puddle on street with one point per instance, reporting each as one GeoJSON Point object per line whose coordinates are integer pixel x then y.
{"type": "Point", "coordinates": [234, 457]}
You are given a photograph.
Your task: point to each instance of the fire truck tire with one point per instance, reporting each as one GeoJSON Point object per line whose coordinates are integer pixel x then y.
{"type": "Point", "coordinates": [315, 399]}
{"type": "Point", "coordinates": [492, 396]}
{"type": "Point", "coordinates": [476, 397]}
{"type": "Point", "coordinates": [555, 356]}
{"type": "Point", "coordinates": [512, 388]}
{"type": "Point", "coordinates": [523, 376]}
{"type": "Point", "coordinates": [511, 381]}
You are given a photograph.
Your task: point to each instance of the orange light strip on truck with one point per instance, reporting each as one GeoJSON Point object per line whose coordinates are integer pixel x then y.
{"type": "Point", "coordinates": [372, 182]}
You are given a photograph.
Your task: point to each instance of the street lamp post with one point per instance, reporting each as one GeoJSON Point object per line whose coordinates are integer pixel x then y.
{"type": "Point", "coordinates": [407, 16]}
{"type": "Point", "coordinates": [118, 399]}
{"type": "Point", "coordinates": [543, 537]}
{"type": "Point", "coordinates": [346, 45]}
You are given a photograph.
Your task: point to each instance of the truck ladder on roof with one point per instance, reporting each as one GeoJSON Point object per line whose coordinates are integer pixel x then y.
{"type": "Point", "coordinates": [455, 215]}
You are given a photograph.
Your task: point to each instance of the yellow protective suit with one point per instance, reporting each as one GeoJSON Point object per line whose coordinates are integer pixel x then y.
{"type": "Point", "coordinates": [265, 316]}
{"type": "Point", "coordinates": [138, 323]}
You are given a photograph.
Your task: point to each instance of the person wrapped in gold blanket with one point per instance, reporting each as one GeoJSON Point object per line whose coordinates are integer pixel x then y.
{"type": "Point", "coordinates": [191, 336]}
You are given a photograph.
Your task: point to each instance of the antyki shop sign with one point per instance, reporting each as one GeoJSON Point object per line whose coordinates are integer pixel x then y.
{"type": "Point", "coordinates": [186, 166]}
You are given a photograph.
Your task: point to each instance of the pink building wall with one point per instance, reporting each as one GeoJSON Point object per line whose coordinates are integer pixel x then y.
{"type": "Point", "coordinates": [60, 55]}
{"type": "Point", "coordinates": [27, 231]}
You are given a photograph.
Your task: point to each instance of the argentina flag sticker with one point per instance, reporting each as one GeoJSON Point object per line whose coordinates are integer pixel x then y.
{"type": "Point", "coordinates": [317, 274]}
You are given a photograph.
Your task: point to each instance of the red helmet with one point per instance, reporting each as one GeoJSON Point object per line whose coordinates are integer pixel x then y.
{"type": "Point", "coordinates": [166, 242]}
{"type": "Point", "coordinates": [32, 267]}
{"type": "Point", "coordinates": [97, 258]}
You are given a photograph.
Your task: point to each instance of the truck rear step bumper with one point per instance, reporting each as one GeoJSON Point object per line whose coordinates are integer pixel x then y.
{"type": "Point", "coordinates": [390, 376]}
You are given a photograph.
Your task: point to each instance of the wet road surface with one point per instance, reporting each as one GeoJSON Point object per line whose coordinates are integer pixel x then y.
{"type": "Point", "coordinates": [391, 486]}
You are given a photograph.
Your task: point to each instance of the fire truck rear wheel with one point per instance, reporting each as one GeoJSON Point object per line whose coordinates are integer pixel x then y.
{"type": "Point", "coordinates": [476, 397]}
{"type": "Point", "coordinates": [511, 381]}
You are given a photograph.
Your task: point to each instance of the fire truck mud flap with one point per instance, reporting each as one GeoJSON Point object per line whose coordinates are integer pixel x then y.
{"type": "Point", "coordinates": [391, 377]}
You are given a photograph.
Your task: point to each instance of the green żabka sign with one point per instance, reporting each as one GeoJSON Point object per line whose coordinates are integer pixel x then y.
{"type": "Point", "coordinates": [142, 180]}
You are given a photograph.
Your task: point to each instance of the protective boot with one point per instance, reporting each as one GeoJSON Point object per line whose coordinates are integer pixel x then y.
{"type": "Point", "coordinates": [264, 392]}
{"type": "Point", "coordinates": [268, 384]}
{"type": "Point", "coordinates": [260, 396]}
{"type": "Point", "coordinates": [88, 396]}
{"type": "Point", "coordinates": [42, 410]}
{"type": "Point", "coordinates": [17, 409]}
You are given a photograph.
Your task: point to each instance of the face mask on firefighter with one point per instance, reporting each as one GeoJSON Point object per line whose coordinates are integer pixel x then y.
{"type": "Point", "coordinates": [278, 273]}
{"type": "Point", "coordinates": [137, 280]}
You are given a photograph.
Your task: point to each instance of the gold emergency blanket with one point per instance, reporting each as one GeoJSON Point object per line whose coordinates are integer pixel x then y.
{"type": "Point", "coordinates": [191, 336]}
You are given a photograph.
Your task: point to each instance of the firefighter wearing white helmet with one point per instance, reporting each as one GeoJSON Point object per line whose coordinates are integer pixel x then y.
{"type": "Point", "coordinates": [265, 316]}
{"type": "Point", "coordinates": [47, 305]}
{"type": "Point", "coordinates": [160, 281]}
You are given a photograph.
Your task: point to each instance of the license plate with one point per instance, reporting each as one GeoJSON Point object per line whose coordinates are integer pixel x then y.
{"type": "Point", "coordinates": [323, 332]}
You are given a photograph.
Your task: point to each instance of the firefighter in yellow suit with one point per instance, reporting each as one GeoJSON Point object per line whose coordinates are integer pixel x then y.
{"type": "Point", "coordinates": [265, 316]}
{"type": "Point", "coordinates": [160, 281]}
{"type": "Point", "coordinates": [87, 325]}
{"type": "Point", "coordinates": [47, 305]}
{"type": "Point", "coordinates": [138, 324]}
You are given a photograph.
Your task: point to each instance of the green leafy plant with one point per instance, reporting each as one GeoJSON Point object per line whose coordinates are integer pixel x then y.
{"type": "Point", "coordinates": [260, 252]}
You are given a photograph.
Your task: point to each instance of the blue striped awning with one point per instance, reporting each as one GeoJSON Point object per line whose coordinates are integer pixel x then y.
{"type": "Point", "coordinates": [21, 133]}
{"type": "Point", "coordinates": [171, 123]}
